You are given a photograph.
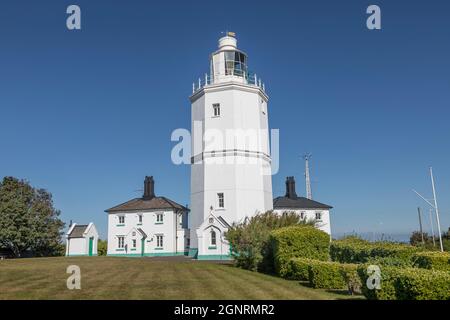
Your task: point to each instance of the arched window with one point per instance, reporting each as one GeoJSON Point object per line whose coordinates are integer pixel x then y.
{"type": "Point", "coordinates": [213, 238]}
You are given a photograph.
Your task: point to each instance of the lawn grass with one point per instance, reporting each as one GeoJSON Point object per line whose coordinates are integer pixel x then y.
{"type": "Point", "coordinates": [144, 278]}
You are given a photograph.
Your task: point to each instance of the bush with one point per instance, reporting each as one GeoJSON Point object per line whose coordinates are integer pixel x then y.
{"type": "Point", "coordinates": [407, 284]}
{"type": "Point", "coordinates": [422, 284]}
{"type": "Point", "coordinates": [102, 247]}
{"type": "Point", "coordinates": [432, 260]}
{"type": "Point", "coordinates": [297, 241]}
{"type": "Point", "coordinates": [387, 283]}
{"type": "Point", "coordinates": [249, 240]}
{"type": "Point", "coordinates": [353, 250]}
{"type": "Point", "coordinates": [300, 268]}
{"type": "Point", "coordinates": [326, 275]}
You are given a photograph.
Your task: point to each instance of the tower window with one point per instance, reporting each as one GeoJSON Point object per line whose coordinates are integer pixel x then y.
{"type": "Point", "coordinates": [140, 218]}
{"type": "Point", "coordinates": [121, 219]}
{"type": "Point", "coordinates": [216, 109]}
{"type": "Point", "coordinates": [221, 199]}
{"type": "Point", "coordinates": [318, 215]}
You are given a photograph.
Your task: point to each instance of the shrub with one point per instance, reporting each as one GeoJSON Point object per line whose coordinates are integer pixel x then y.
{"type": "Point", "coordinates": [387, 283]}
{"type": "Point", "coordinates": [249, 240]}
{"type": "Point", "coordinates": [361, 251]}
{"type": "Point", "coordinates": [422, 284]}
{"type": "Point", "coordinates": [300, 268]}
{"type": "Point", "coordinates": [102, 247]}
{"type": "Point", "coordinates": [297, 241]}
{"type": "Point", "coordinates": [326, 275]}
{"type": "Point", "coordinates": [351, 278]}
{"type": "Point", "coordinates": [432, 260]}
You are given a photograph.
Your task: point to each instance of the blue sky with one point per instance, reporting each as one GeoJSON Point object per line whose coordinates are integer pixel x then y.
{"type": "Point", "coordinates": [87, 114]}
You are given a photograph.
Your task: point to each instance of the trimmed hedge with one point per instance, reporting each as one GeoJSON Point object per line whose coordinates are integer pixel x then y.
{"type": "Point", "coordinates": [422, 284]}
{"type": "Point", "coordinates": [298, 241]}
{"type": "Point", "coordinates": [300, 268]}
{"type": "Point", "coordinates": [324, 274]}
{"type": "Point", "coordinates": [354, 250]}
{"type": "Point", "coordinates": [407, 284]}
{"type": "Point", "coordinates": [432, 260]}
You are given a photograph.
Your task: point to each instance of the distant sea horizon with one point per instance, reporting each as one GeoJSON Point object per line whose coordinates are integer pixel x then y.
{"type": "Point", "coordinates": [376, 236]}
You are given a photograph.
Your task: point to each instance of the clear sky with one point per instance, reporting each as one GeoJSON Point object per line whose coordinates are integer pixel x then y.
{"type": "Point", "coordinates": [87, 114]}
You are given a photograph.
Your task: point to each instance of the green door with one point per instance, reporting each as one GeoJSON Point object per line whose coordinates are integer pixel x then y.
{"type": "Point", "coordinates": [91, 246]}
{"type": "Point", "coordinates": [142, 246]}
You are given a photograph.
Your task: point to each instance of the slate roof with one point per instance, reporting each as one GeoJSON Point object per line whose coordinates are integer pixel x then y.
{"type": "Point", "coordinates": [78, 230]}
{"type": "Point", "coordinates": [139, 204]}
{"type": "Point", "coordinates": [298, 203]}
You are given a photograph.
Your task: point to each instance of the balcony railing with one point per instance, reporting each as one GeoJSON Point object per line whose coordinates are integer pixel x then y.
{"type": "Point", "coordinates": [246, 78]}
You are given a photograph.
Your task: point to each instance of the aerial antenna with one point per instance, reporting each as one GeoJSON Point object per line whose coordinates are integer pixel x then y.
{"type": "Point", "coordinates": [307, 177]}
{"type": "Point", "coordinates": [434, 205]}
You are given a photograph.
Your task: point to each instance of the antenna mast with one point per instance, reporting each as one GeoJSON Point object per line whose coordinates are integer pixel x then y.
{"type": "Point", "coordinates": [307, 177]}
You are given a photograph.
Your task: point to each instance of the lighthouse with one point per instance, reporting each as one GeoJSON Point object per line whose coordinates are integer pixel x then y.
{"type": "Point", "coordinates": [230, 155]}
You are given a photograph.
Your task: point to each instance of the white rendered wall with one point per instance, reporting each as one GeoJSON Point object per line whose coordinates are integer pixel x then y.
{"type": "Point", "coordinates": [245, 181]}
{"type": "Point", "coordinates": [149, 225]}
{"type": "Point", "coordinates": [76, 246]}
{"type": "Point", "coordinates": [310, 214]}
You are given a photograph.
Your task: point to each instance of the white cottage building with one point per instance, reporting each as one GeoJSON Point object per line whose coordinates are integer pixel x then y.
{"type": "Point", "coordinates": [307, 209]}
{"type": "Point", "coordinates": [231, 163]}
{"type": "Point", "coordinates": [148, 226]}
{"type": "Point", "coordinates": [81, 240]}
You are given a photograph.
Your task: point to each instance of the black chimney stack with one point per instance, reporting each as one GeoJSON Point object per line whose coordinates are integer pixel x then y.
{"type": "Point", "coordinates": [149, 188]}
{"type": "Point", "coordinates": [290, 188]}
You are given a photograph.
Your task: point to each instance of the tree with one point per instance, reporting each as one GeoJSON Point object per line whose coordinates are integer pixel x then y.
{"type": "Point", "coordinates": [28, 220]}
{"type": "Point", "coordinates": [249, 240]}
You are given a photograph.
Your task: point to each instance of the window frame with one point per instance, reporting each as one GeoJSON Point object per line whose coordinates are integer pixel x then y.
{"type": "Point", "coordinates": [221, 200]}
{"type": "Point", "coordinates": [160, 241]}
{"type": "Point", "coordinates": [120, 242]}
{"type": "Point", "coordinates": [122, 219]}
{"type": "Point", "coordinates": [158, 216]}
{"type": "Point", "coordinates": [213, 237]}
{"type": "Point", "coordinates": [216, 110]}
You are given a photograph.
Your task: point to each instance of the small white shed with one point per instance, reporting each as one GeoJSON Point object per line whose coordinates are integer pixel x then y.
{"type": "Point", "coordinates": [82, 240]}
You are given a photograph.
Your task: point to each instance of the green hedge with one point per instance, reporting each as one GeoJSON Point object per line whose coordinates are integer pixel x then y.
{"type": "Point", "coordinates": [387, 283]}
{"type": "Point", "coordinates": [324, 274]}
{"type": "Point", "coordinates": [423, 284]}
{"type": "Point", "coordinates": [299, 268]}
{"type": "Point", "coordinates": [407, 284]}
{"type": "Point", "coordinates": [353, 250]}
{"type": "Point", "coordinates": [432, 260]}
{"type": "Point", "coordinates": [297, 241]}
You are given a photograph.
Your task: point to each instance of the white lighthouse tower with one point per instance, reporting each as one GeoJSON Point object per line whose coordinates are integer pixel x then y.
{"type": "Point", "coordinates": [231, 163]}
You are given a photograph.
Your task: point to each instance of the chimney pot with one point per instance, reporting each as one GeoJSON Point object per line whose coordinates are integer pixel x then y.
{"type": "Point", "coordinates": [290, 188]}
{"type": "Point", "coordinates": [149, 188]}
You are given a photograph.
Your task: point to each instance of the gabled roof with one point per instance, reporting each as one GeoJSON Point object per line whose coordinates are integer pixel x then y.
{"type": "Point", "coordinates": [155, 203]}
{"type": "Point", "coordinates": [298, 203]}
{"type": "Point", "coordinates": [78, 231]}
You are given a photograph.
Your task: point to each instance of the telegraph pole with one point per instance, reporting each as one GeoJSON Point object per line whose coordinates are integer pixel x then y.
{"type": "Point", "coordinates": [432, 229]}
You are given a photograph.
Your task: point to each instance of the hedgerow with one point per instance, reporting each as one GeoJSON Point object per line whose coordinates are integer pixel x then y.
{"type": "Point", "coordinates": [432, 260]}
{"type": "Point", "coordinates": [353, 250]}
{"type": "Point", "coordinates": [297, 241]}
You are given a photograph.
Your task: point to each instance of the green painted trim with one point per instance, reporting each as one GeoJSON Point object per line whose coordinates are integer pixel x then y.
{"type": "Point", "coordinates": [214, 257]}
{"type": "Point", "coordinates": [82, 255]}
{"type": "Point", "coordinates": [120, 225]}
{"type": "Point", "coordinates": [155, 254]}
{"type": "Point", "coordinates": [159, 222]}
{"type": "Point", "coordinates": [212, 247]}
{"type": "Point", "coordinates": [120, 249]}
{"type": "Point", "coordinates": [159, 248]}
{"type": "Point", "coordinates": [139, 224]}
{"type": "Point", "coordinates": [133, 249]}
{"type": "Point", "coordinates": [193, 252]}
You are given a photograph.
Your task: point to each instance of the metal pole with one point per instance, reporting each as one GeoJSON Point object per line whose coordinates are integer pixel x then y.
{"type": "Point", "coordinates": [432, 229]}
{"type": "Point", "coordinates": [420, 224]}
{"type": "Point", "coordinates": [436, 209]}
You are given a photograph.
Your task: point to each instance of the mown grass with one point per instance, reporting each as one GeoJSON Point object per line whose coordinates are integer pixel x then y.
{"type": "Point", "coordinates": [144, 278]}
